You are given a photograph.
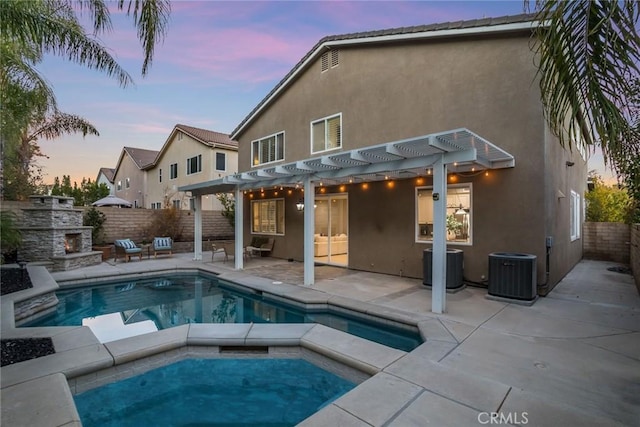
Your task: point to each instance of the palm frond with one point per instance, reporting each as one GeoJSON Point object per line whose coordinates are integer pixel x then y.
{"type": "Point", "coordinates": [588, 53]}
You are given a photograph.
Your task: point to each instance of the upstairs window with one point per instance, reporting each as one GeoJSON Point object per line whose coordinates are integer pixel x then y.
{"type": "Point", "coordinates": [160, 175]}
{"type": "Point", "coordinates": [176, 204]}
{"type": "Point", "coordinates": [119, 186]}
{"type": "Point", "coordinates": [268, 149]}
{"type": "Point", "coordinates": [156, 205]}
{"type": "Point", "coordinates": [127, 183]}
{"type": "Point", "coordinates": [194, 164]}
{"type": "Point", "coordinates": [173, 173]}
{"type": "Point", "coordinates": [221, 162]}
{"type": "Point", "coordinates": [326, 134]}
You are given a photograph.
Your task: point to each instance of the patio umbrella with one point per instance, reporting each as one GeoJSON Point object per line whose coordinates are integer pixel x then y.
{"type": "Point", "coordinates": [112, 200]}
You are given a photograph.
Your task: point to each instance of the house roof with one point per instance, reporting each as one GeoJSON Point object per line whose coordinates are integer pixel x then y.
{"type": "Point", "coordinates": [208, 137]}
{"type": "Point", "coordinates": [140, 156]}
{"type": "Point", "coordinates": [109, 174]}
{"type": "Point", "coordinates": [504, 24]}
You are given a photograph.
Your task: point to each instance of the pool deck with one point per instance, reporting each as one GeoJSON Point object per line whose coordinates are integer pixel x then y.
{"type": "Point", "coordinates": [572, 358]}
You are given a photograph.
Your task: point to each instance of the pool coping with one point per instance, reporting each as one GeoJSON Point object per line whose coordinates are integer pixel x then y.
{"type": "Point", "coordinates": [80, 354]}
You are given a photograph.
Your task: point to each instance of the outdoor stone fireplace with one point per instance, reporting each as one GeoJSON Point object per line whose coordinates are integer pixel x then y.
{"type": "Point", "coordinates": [52, 231]}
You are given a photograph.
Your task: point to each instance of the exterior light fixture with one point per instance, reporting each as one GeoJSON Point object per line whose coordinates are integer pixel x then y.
{"type": "Point", "coordinates": [300, 205]}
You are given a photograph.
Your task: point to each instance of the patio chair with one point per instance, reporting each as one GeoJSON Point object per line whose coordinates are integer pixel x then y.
{"type": "Point", "coordinates": [162, 245]}
{"type": "Point", "coordinates": [126, 248]}
{"type": "Point", "coordinates": [230, 249]}
{"type": "Point", "coordinates": [217, 248]}
{"type": "Point", "coordinates": [261, 245]}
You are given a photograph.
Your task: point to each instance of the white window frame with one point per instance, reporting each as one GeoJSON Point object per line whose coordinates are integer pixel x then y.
{"type": "Point", "coordinates": [127, 183]}
{"type": "Point", "coordinates": [574, 216]}
{"type": "Point", "coordinates": [265, 140]}
{"type": "Point", "coordinates": [176, 203]}
{"type": "Point", "coordinates": [160, 175]}
{"type": "Point", "coordinates": [270, 224]}
{"type": "Point", "coordinates": [417, 231]}
{"type": "Point", "coordinates": [119, 185]}
{"type": "Point", "coordinates": [156, 205]}
{"type": "Point", "coordinates": [325, 120]}
{"type": "Point", "coordinates": [173, 167]}
{"type": "Point", "coordinates": [224, 161]}
{"type": "Point", "coordinates": [198, 165]}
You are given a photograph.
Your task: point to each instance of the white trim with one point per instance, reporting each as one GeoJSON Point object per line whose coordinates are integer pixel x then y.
{"type": "Point", "coordinates": [275, 135]}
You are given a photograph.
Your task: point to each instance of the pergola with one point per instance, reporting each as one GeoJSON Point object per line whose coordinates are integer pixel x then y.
{"type": "Point", "coordinates": [398, 159]}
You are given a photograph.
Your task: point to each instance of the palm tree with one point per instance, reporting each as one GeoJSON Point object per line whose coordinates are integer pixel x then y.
{"type": "Point", "coordinates": [589, 53]}
{"type": "Point", "coordinates": [29, 29]}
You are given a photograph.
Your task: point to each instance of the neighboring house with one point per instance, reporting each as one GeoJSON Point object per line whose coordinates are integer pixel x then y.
{"type": "Point", "coordinates": [105, 176]}
{"type": "Point", "coordinates": [189, 155]}
{"type": "Point", "coordinates": [130, 177]}
{"type": "Point", "coordinates": [394, 134]}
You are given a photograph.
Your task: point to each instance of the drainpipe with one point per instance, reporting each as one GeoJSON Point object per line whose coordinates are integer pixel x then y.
{"type": "Point", "coordinates": [543, 288]}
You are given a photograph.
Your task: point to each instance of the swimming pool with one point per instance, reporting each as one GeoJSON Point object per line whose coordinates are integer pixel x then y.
{"type": "Point", "coordinates": [222, 392]}
{"type": "Point", "coordinates": [115, 310]}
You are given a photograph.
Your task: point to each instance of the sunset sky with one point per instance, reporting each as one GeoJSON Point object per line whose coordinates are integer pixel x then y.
{"type": "Point", "coordinates": [218, 61]}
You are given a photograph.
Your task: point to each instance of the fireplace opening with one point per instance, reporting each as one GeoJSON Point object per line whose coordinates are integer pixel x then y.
{"type": "Point", "coordinates": [72, 243]}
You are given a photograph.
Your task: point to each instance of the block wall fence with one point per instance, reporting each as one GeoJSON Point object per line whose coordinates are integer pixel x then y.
{"type": "Point", "coordinates": [635, 253]}
{"type": "Point", "coordinates": [606, 241]}
{"type": "Point", "coordinates": [133, 223]}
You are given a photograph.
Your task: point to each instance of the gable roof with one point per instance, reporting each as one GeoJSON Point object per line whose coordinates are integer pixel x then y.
{"type": "Point", "coordinates": [505, 24]}
{"type": "Point", "coordinates": [208, 137]}
{"type": "Point", "coordinates": [140, 156]}
{"type": "Point", "coordinates": [108, 173]}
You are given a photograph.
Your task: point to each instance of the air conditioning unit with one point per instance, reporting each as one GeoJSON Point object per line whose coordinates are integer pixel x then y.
{"type": "Point", "coordinates": [512, 275]}
{"type": "Point", "coordinates": [455, 266]}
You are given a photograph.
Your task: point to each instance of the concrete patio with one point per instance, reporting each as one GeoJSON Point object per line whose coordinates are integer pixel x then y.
{"type": "Point", "coordinates": [573, 358]}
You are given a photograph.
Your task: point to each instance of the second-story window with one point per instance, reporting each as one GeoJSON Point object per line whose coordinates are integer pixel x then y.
{"type": "Point", "coordinates": [221, 162]}
{"type": "Point", "coordinates": [176, 204]}
{"type": "Point", "coordinates": [194, 164]}
{"type": "Point", "coordinates": [119, 186]}
{"type": "Point", "coordinates": [127, 183]}
{"type": "Point", "coordinates": [268, 149]}
{"type": "Point", "coordinates": [173, 173]}
{"type": "Point", "coordinates": [326, 134]}
{"type": "Point", "coordinates": [160, 175]}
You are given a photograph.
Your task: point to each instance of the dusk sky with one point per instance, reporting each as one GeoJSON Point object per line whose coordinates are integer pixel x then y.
{"type": "Point", "coordinates": [217, 63]}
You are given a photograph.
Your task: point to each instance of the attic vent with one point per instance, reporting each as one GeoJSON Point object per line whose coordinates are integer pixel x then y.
{"type": "Point", "coordinates": [334, 58]}
{"type": "Point", "coordinates": [325, 61]}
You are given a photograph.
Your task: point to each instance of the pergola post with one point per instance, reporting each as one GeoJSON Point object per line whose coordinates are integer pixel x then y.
{"type": "Point", "coordinates": [439, 250]}
{"type": "Point", "coordinates": [239, 230]}
{"type": "Point", "coordinates": [197, 228]}
{"type": "Point", "coordinates": [309, 227]}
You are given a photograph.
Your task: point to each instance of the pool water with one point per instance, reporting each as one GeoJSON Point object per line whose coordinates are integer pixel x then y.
{"type": "Point", "coordinates": [126, 308]}
{"type": "Point", "coordinates": [221, 392]}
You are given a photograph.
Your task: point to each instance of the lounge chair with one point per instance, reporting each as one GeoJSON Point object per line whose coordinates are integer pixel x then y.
{"type": "Point", "coordinates": [126, 248]}
{"type": "Point", "coordinates": [261, 246]}
{"type": "Point", "coordinates": [162, 245]}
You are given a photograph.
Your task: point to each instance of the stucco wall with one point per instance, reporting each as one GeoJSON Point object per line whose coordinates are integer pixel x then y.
{"type": "Point", "coordinates": [388, 92]}
{"type": "Point", "coordinates": [607, 241]}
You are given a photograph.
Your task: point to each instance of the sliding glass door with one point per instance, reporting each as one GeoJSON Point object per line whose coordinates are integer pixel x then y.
{"type": "Point", "coordinates": [331, 241]}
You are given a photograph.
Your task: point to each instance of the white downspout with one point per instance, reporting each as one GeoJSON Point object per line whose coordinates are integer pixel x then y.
{"type": "Point", "coordinates": [439, 252]}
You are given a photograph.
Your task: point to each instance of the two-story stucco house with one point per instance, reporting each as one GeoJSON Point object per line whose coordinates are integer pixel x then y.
{"type": "Point", "coordinates": [377, 146]}
{"type": "Point", "coordinates": [130, 178]}
{"type": "Point", "coordinates": [105, 176]}
{"type": "Point", "coordinates": [189, 155]}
